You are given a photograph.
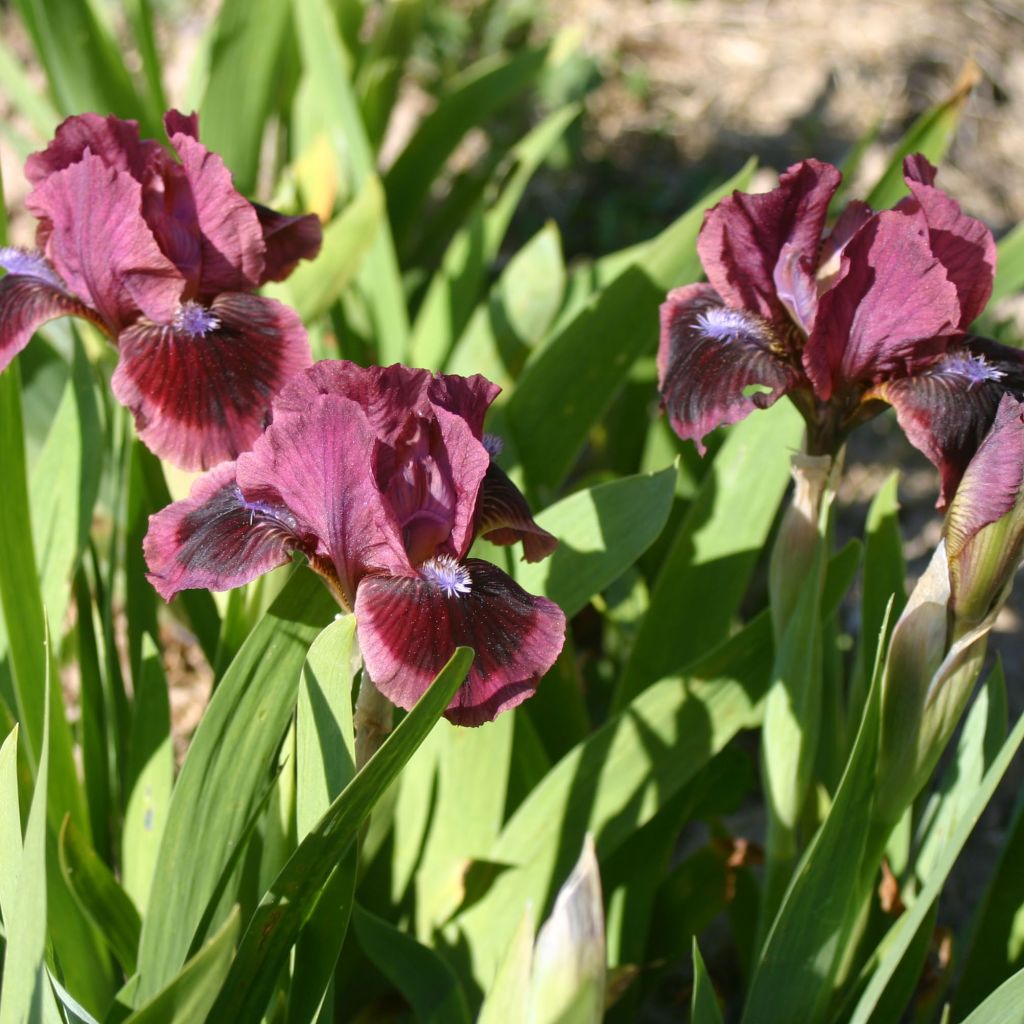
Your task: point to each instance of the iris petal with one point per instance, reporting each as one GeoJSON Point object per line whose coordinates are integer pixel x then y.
{"type": "Point", "coordinates": [287, 240]}
{"type": "Point", "coordinates": [709, 357]}
{"type": "Point", "coordinates": [200, 398]}
{"type": "Point", "coordinates": [409, 626]}
{"type": "Point", "coordinates": [504, 517]}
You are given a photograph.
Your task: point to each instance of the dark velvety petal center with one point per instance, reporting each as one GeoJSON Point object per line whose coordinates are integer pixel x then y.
{"type": "Point", "coordinates": [216, 539]}
{"type": "Point", "coordinates": [504, 517]}
{"type": "Point", "coordinates": [715, 364]}
{"type": "Point", "coordinates": [200, 387]}
{"type": "Point", "coordinates": [409, 627]}
{"type": "Point", "coordinates": [30, 295]}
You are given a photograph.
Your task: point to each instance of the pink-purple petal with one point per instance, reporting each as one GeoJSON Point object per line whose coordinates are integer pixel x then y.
{"type": "Point", "coordinates": [962, 244]}
{"type": "Point", "coordinates": [409, 626]}
{"type": "Point", "coordinates": [216, 540]}
{"type": "Point", "coordinates": [100, 245]}
{"type": "Point", "coordinates": [200, 397]}
{"type": "Point", "coordinates": [287, 240]}
{"type": "Point", "coordinates": [742, 237]}
{"type": "Point", "coordinates": [712, 361]}
{"type": "Point", "coordinates": [890, 313]}
{"type": "Point", "coordinates": [30, 295]}
{"type": "Point", "coordinates": [231, 240]}
{"type": "Point", "coordinates": [504, 517]}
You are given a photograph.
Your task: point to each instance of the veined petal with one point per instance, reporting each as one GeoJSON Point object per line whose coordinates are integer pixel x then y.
{"type": "Point", "coordinates": [962, 244]}
{"type": "Point", "coordinates": [742, 237]}
{"type": "Point", "coordinates": [99, 243]}
{"type": "Point", "coordinates": [30, 295]}
{"type": "Point", "coordinates": [287, 240]}
{"type": "Point", "coordinates": [200, 387]}
{"type": "Point", "coordinates": [709, 358]}
{"type": "Point", "coordinates": [504, 517]}
{"type": "Point", "coordinates": [891, 311]}
{"type": "Point", "coordinates": [216, 540]}
{"type": "Point", "coordinates": [319, 465]}
{"type": "Point", "coordinates": [947, 410]}
{"type": "Point", "coordinates": [231, 239]}
{"type": "Point", "coordinates": [409, 626]}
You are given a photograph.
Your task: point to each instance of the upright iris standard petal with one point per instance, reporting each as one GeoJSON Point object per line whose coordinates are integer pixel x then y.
{"type": "Point", "coordinates": [215, 539]}
{"type": "Point", "coordinates": [743, 236]}
{"type": "Point", "coordinates": [947, 409]}
{"type": "Point", "coordinates": [891, 311]}
{"type": "Point", "coordinates": [962, 244]}
{"type": "Point", "coordinates": [715, 364]}
{"type": "Point", "coordinates": [90, 201]}
{"type": "Point", "coordinates": [200, 386]}
{"type": "Point", "coordinates": [409, 626]}
{"type": "Point", "coordinates": [30, 295]}
{"type": "Point", "coordinates": [504, 517]}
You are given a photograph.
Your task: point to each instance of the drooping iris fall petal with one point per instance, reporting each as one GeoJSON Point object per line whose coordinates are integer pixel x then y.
{"type": "Point", "coordinates": [409, 626]}
{"type": "Point", "coordinates": [30, 295]}
{"type": "Point", "coordinates": [715, 364]}
{"type": "Point", "coordinates": [286, 240]}
{"type": "Point", "coordinates": [200, 386]}
{"type": "Point", "coordinates": [504, 517]}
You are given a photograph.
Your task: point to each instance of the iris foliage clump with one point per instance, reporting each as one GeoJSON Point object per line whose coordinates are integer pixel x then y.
{"type": "Point", "coordinates": [540, 689]}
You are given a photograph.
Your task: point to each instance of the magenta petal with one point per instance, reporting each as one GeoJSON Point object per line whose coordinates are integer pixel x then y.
{"type": "Point", "coordinates": [408, 628]}
{"type": "Point", "coordinates": [890, 313]}
{"type": "Point", "coordinates": [947, 410]}
{"type": "Point", "coordinates": [114, 141]}
{"type": "Point", "coordinates": [200, 388]}
{"type": "Point", "coordinates": [962, 244]}
{"type": "Point", "coordinates": [216, 540]}
{"type": "Point", "coordinates": [743, 236]}
{"type": "Point", "coordinates": [177, 123]}
{"type": "Point", "coordinates": [100, 245]}
{"type": "Point", "coordinates": [318, 463]}
{"type": "Point", "coordinates": [30, 295]}
{"type": "Point", "coordinates": [287, 240]}
{"type": "Point", "coordinates": [231, 239]}
{"type": "Point", "coordinates": [992, 484]}
{"type": "Point", "coordinates": [709, 355]}
{"type": "Point", "coordinates": [504, 517]}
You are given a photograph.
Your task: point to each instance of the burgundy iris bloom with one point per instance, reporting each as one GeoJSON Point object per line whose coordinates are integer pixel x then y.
{"type": "Point", "coordinates": [874, 311]}
{"type": "Point", "coordinates": [164, 256]}
{"type": "Point", "coordinates": [382, 479]}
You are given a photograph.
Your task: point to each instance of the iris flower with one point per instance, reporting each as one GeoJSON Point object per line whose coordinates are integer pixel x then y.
{"type": "Point", "coordinates": [874, 311]}
{"type": "Point", "coordinates": [164, 256]}
{"type": "Point", "coordinates": [382, 478]}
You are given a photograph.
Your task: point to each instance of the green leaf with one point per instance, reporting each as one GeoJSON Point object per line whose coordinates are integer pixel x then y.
{"type": "Point", "coordinates": [24, 989]}
{"type": "Point", "coordinates": [247, 50]}
{"type": "Point", "coordinates": [425, 980]}
{"type": "Point", "coordinates": [232, 755]}
{"type": "Point", "coordinates": [10, 825]}
{"type": "Point", "coordinates": [325, 764]}
{"type": "Point", "coordinates": [1009, 264]}
{"type": "Point", "coordinates": [614, 782]}
{"type": "Point", "coordinates": [187, 998]}
{"type": "Point", "coordinates": [602, 531]}
{"type": "Point", "coordinates": [1003, 1006]}
{"type": "Point", "coordinates": [455, 288]}
{"type": "Point", "coordinates": [570, 383]}
{"type": "Point", "coordinates": [105, 903]}
{"type": "Point", "coordinates": [793, 976]}
{"type": "Point", "coordinates": [704, 1007]}
{"type": "Point", "coordinates": [507, 1000]}
{"type": "Point", "coordinates": [906, 927]}
{"type": "Point", "coordinates": [715, 549]}
{"type": "Point", "coordinates": [149, 778]}
{"type": "Point", "coordinates": [317, 284]}
{"type": "Point", "coordinates": [470, 98]}
{"type": "Point", "coordinates": [287, 905]}
{"type": "Point", "coordinates": [23, 93]}
{"type": "Point", "coordinates": [931, 134]}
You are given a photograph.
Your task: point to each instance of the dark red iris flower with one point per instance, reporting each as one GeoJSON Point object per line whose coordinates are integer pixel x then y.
{"type": "Point", "coordinates": [164, 256]}
{"type": "Point", "coordinates": [382, 478]}
{"type": "Point", "coordinates": [874, 311]}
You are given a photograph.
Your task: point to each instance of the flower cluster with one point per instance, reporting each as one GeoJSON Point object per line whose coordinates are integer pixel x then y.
{"type": "Point", "coordinates": [164, 255]}
{"type": "Point", "coordinates": [382, 479]}
{"type": "Point", "coordinates": [874, 311]}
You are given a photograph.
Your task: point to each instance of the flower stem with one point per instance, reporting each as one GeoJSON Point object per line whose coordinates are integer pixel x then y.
{"type": "Point", "coordinates": [372, 720]}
